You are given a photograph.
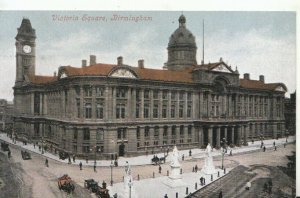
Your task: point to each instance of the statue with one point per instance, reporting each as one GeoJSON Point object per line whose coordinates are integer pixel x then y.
{"type": "Point", "coordinates": [175, 165]}
{"type": "Point", "coordinates": [209, 167]}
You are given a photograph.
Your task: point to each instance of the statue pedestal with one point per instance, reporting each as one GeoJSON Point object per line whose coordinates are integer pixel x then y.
{"type": "Point", "coordinates": [175, 172]}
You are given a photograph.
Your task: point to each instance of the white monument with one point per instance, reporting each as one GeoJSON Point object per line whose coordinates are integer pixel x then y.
{"type": "Point", "coordinates": [208, 167]}
{"type": "Point", "coordinates": [175, 166]}
{"type": "Point", "coordinates": [129, 190]}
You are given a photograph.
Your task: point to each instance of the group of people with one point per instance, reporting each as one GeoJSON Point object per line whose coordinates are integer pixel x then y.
{"type": "Point", "coordinates": [195, 169]}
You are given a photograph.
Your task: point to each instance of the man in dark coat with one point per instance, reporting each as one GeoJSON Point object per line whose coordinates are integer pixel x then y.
{"type": "Point", "coordinates": [80, 166]}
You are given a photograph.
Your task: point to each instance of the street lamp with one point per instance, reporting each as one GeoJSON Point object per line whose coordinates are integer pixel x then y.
{"type": "Point", "coordinates": [130, 184]}
{"type": "Point", "coordinates": [111, 173]}
{"type": "Point", "coordinates": [223, 154]}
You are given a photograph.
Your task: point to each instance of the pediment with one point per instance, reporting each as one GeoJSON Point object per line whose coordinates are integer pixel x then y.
{"type": "Point", "coordinates": [280, 88]}
{"type": "Point", "coordinates": [123, 73]}
{"type": "Point", "coordinates": [222, 68]}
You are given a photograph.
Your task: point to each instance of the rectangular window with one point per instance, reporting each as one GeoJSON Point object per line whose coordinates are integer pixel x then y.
{"type": "Point", "coordinates": [75, 148]}
{"type": "Point", "coordinates": [172, 111]}
{"type": "Point", "coordinates": [121, 93]}
{"type": "Point", "coordinates": [181, 110]}
{"type": "Point", "coordinates": [146, 110]}
{"type": "Point", "coordinates": [164, 111]}
{"type": "Point", "coordinates": [138, 133]}
{"type": "Point", "coordinates": [88, 110]}
{"type": "Point", "coordinates": [155, 94]}
{"type": "Point", "coordinates": [99, 91]}
{"type": "Point", "coordinates": [75, 134]}
{"type": "Point", "coordinates": [181, 130]}
{"type": "Point", "coordinates": [189, 130]}
{"type": "Point", "coordinates": [87, 91]}
{"type": "Point", "coordinates": [146, 94]}
{"type": "Point", "coordinates": [137, 111]}
{"type": "Point", "coordinates": [137, 144]}
{"type": "Point", "coordinates": [121, 133]}
{"type": "Point", "coordinates": [99, 110]}
{"type": "Point", "coordinates": [86, 134]}
{"type": "Point", "coordinates": [165, 133]}
{"type": "Point", "coordinates": [85, 149]}
{"type": "Point", "coordinates": [165, 95]}
{"type": "Point", "coordinates": [78, 107]}
{"type": "Point", "coordinates": [181, 95]}
{"type": "Point", "coordinates": [156, 131]}
{"type": "Point", "coordinates": [189, 96]}
{"type": "Point", "coordinates": [147, 131]}
{"type": "Point", "coordinates": [120, 111]}
{"type": "Point", "coordinates": [173, 131]}
{"type": "Point", "coordinates": [155, 111]}
{"type": "Point", "coordinates": [100, 134]}
{"type": "Point", "coordinates": [173, 95]}
{"type": "Point", "coordinates": [189, 110]}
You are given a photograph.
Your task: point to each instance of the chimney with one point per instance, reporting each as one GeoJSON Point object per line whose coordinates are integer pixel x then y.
{"type": "Point", "coordinates": [262, 78]}
{"type": "Point", "coordinates": [83, 63]}
{"type": "Point", "coordinates": [92, 60]}
{"type": "Point", "coordinates": [141, 64]}
{"type": "Point", "coordinates": [247, 76]}
{"type": "Point", "coordinates": [120, 60]}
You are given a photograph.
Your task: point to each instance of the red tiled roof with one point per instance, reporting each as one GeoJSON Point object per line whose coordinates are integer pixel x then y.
{"type": "Point", "coordinates": [256, 84]}
{"type": "Point", "coordinates": [42, 79]}
{"type": "Point", "coordinates": [184, 76]}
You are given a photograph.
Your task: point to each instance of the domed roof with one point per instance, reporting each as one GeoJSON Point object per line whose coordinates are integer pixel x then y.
{"type": "Point", "coordinates": [182, 36]}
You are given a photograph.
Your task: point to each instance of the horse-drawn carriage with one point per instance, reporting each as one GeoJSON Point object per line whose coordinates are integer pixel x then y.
{"type": "Point", "coordinates": [4, 146]}
{"type": "Point", "coordinates": [65, 184]}
{"type": "Point", "coordinates": [25, 155]}
{"type": "Point", "coordinates": [63, 155]}
{"type": "Point", "coordinates": [158, 160]}
{"type": "Point", "coordinates": [92, 185]}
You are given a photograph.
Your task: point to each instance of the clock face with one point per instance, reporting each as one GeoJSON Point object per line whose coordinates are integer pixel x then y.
{"type": "Point", "coordinates": [26, 49]}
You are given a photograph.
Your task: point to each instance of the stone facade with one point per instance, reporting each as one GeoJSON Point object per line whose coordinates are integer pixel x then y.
{"type": "Point", "coordinates": [290, 113]}
{"type": "Point", "coordinates": [124, 110]}
{"type": "Point", "coordinates": [6, 115]}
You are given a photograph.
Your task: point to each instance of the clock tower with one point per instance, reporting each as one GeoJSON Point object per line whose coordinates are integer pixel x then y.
{"type": "Point", "coordinates": [25, 52]}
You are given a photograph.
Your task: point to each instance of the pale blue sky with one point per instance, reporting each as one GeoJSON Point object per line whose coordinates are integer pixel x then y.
{"type": "Point", "coordinates": [255, 42]}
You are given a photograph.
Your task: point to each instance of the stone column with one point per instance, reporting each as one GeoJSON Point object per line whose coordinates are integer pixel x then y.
{"type": "Point", "coordinates": [151, 104]}
{"type": "Point", "coordinates": [133, 103]}
{"type": "Point", "coordinates": [225, 132]}
{"type": "Point", "coordinates": [232, 134]}
{"type": "Point", "coordinates": [128, 105]}
{"type": "Point", "coordinates": [195, 105]}
{"type": "Point", "coordinates": [200, 132]}
{"type": "Point", "coordinates": [218, 136]}
{"type": "Point", "coordinates": [274, 130]}
{"type": "Point", "coordinates": [169, 105]}
{"type": "Point", "coordinates": [142, 103]}
{"type": "Point", "coordinates": [114, 92]}
{"type": "Point", "coordinates": [210, 135]}
{"type": "Point", "coordinates": [93, 102]}
{"type": "Point", "coordinates": [81, 102]}
{"type": "Point", "coordinates": [108, 106]}
{"type": "Point", "coordinates": [185, 105]}
{"type": "Point", "coordinates": [160, 103]}
{"type": "Point", "coordinates": [246, 133]}
{"type": "Point", "coordinates": [201, 109]}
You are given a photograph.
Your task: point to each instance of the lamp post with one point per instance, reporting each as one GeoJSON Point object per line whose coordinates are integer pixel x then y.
{"type": "Point", "coordinates": [223, 154]}
{"type": "Point", "coordinates": [130, 184]}
{"type": "Point", "coordinates": [111, 173]}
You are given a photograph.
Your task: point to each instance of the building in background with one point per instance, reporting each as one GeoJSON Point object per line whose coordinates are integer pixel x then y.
{"type": "Point", "coordinates": [290, 113]}
{"type": "Point", "coordinates": [119, 109]}
{"type": "Point", "coordinates": [6, 115]}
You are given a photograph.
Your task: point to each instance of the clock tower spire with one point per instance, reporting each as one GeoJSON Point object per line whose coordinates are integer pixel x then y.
{"type": "Point", "coordinates": [25, 52]}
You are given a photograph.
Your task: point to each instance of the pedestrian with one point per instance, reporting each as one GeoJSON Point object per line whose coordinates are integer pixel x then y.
{"type": "Point", "coordinates": [159, 169]}
{"type": "Point", "coordinates": [8, 154]}
{"type": "Point", "coordinates": [166, 196]}
{"type": "Point", "coordinates": [182, 157]}
{"type": "Point", "coordinates": [230, 154]}
{"type": "Point", "coordinates": [264, 149]}
{"type": "Point", "coordinates": [274, 143]}
{"type": "Point", "coordinates": [252, 141]}
{"type": "Point", "coordinates": [196, 168]}
{"type": "Point", "coordinates": [203, 180]}
{"type": "Point", "coordinates": [220, 194]}
{"type": "Point", "coordinates": [95, 168]}
{"type": "Point", "coordinates": [80, 166]}
{"type": "Point", "coordinates": [33, 145]}
{"type": "Point", "coordinates": [46, 162]}
{"type": "Point", "coordinates": [190, 152]}
{"type": "Point", "coordinates": [69, 160]}
{"type": "Point", "coordinates": [73, 158]}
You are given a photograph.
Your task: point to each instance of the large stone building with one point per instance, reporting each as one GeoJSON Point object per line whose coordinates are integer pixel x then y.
{"type": "Point", "coordinates": [130, 110]}
{"type": "Point", "coordinates": [6, 115]}
{"type": "Point", "coordinates": [290, 113]}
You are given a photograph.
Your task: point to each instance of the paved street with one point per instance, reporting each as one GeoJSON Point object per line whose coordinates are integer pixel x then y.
{"type": "Point", "coordinates": [41, 181]}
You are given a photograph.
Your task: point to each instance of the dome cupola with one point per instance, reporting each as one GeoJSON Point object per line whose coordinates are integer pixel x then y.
{"type": "Point", "coordinates": [181, 47]}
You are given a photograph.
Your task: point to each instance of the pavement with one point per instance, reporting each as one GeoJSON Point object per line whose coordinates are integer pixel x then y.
{"type": "Point", "coordinates": [146, 159]}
